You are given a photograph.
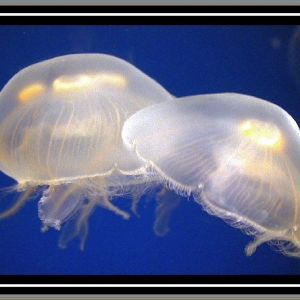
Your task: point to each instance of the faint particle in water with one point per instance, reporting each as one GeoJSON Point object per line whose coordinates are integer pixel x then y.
{"type": "Point", "coordinates": [294, 56]}
{"type": "Point", "coordinates": [276, 43]}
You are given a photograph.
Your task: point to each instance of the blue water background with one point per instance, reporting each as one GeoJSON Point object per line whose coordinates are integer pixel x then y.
{"type": "Point", "coordinates": [186, 60]}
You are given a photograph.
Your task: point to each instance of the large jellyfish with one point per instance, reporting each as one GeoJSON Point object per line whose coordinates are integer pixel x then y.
{"type": "Point", "coordinates": [236, 154]}
{"type": "Point", "coordinates": [60, 128]}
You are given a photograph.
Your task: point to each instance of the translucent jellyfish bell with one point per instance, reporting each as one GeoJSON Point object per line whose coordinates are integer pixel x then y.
{"type": "Point", "coordinates": [60, 125]}
{"type": "Point", "coordinates": [238, 155]}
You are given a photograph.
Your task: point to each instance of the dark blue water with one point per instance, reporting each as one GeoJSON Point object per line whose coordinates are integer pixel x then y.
{"type": "Point", "coordinates": [186, 60]}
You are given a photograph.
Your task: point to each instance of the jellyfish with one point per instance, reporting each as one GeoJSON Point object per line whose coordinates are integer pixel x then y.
{"type": "Point", "coordinates": [60, 135]}
{"type": "Point", "coordinates": [237, 155]}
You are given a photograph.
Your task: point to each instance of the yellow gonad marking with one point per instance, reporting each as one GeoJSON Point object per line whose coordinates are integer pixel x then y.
{"type": "Point", "coordinates": [82, 81]}
{"type": "Point", "coordinates": [115, 79]}
{"type": "Point", "coordinates": [71, 83]}
{"type": "Point", "coordinates": [30, 92]}
{"type": "Point", "coordinates": [265, 134]}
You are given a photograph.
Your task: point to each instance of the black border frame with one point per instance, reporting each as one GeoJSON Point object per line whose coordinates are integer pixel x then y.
{"type": "Point", "coordinates": [142, 285]}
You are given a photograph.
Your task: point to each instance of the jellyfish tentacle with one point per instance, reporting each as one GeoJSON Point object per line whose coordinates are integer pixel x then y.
{"type": "Point", "coordinates": [167, 202]}
{"type": "Point", "coordinates": [104, 201]}
{"type": "Point", "coordinates": [23, 198]}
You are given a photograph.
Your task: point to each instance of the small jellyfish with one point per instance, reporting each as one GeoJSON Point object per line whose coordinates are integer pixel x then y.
{"type": "Point", "coordinates": [60, 128]}
{"type": "Point", "coordinates": [236, 154]}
